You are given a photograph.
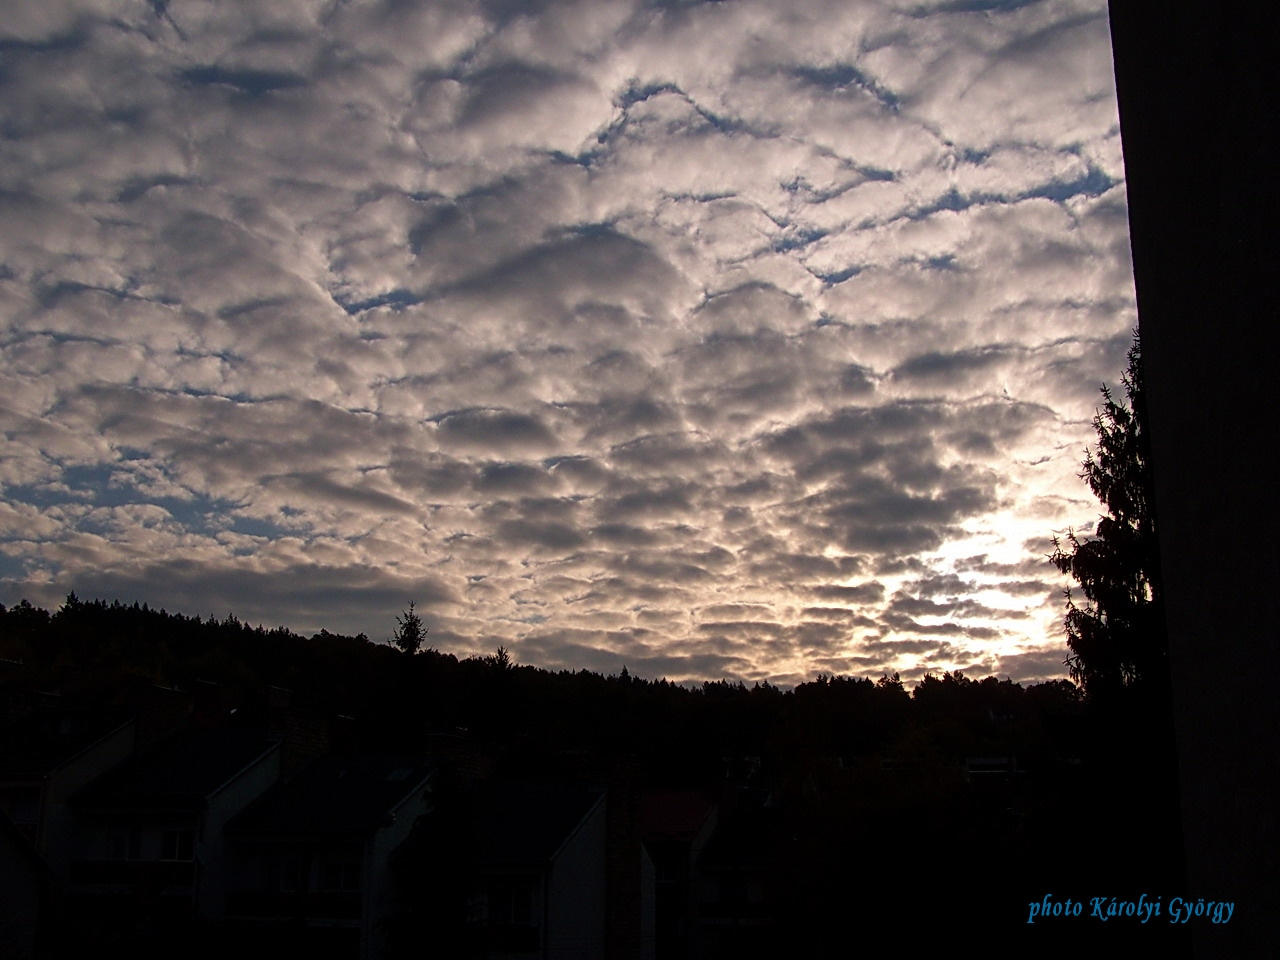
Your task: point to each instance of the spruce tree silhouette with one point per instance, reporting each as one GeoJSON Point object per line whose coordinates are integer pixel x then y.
{"type": "Point", "coordinates": [410, 633]}
{"type": "Point", "coordinates": [1119, 655]}
{"type": "Point", "coordinates": [1117, 638]}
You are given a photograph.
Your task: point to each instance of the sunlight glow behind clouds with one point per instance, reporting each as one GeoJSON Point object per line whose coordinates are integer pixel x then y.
{"type": "Point", "coordinates": [706, 338]}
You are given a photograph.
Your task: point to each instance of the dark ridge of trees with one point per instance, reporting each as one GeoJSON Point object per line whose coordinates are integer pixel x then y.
{"type": "Point", "coordinates": [835, 784]}
{"type": "Point", "coordinates": [87, 649]}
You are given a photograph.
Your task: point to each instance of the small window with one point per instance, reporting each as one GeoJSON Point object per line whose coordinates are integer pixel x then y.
{"type": "Point", "coordinates": [339, 876]}
{"type": "Point", "coordinates": [286, 874]}
{"type": "Point", "coordinates": [477, 908]}
{"type": "Point", "coordinates": [733, 888]}
{"type": "Point", "coordinates": [125, 843]}
{"type": "Point", "coordinates": [511, 900]}
{"type": "Point", "coordinates": [292, 875]}
{"type": "Point", "coordinates": [178, 845]}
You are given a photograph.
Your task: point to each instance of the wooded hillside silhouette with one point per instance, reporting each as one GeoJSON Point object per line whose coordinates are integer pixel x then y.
{"type": "Point", "coordinates": [775, 818]}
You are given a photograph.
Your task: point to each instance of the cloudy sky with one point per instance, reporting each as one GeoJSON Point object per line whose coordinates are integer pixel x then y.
{"type": "Point", "coordinates": [744, 338]}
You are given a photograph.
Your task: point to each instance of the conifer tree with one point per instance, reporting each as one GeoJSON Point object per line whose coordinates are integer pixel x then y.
{"type": "Point", "coordinates": [1117, 638]}
{"type": "Point", "coordinates": [410, 633]}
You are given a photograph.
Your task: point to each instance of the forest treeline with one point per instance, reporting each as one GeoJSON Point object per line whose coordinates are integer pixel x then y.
{"type": "Point", "coordinates": [95, 650]}
{"type": "Point", "coordinates": [961, 799]}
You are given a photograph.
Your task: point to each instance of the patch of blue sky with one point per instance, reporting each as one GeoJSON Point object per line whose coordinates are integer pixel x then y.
{"type": "Point", "coordinates": [976, 6]}
{"type": "Point", "coordinates": [103, 486]}
{"type": "Point", "coordinates": [603, 228]}
{"type": "Point", "coordinates": [135, 187]}
{"type": "Point", "coordinates": [13, 569]}
{"type": "Point", "coordinates": [68, 40]}
{"type": "Point", "coordinates": [1093, 183]}
{"type": "Point", "coordinates": [582, 159]}
{"type": "Point", "coordinates": [842, 76]}
{"type": "Point", "coordinates": [944, 262]}
{"type": "Point", "coordinates": [796, 239]}
{"type": "Point", "coordinates": [396, 299]}
{"type": "Point", "coordinates": [252, 83]}
{"type": "Point", "coordinates": [238, 396]}
{"type": "Point", "coordinates": [256, 527]}
{"type": "Point", "coordinates": [833, 277]}
{"type": "Point", "coordinates": [639, 93]}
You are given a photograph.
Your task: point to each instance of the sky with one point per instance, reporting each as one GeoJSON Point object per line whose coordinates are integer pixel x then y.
{"type": "Point", "coordinates": [734, 339]}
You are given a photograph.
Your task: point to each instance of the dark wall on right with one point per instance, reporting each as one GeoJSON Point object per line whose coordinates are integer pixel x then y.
{"type": "Point", "coordinates": [1198, 111]}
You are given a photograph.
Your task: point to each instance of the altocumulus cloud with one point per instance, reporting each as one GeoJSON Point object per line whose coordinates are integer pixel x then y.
{"type": "Point", "coordinates": [709, 338]}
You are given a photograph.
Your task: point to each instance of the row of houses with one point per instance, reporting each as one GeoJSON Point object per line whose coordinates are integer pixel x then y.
{"type": "Point", "coordinates": [115, 828]}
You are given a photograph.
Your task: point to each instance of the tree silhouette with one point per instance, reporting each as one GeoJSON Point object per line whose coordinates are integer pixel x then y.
{"type": "Point", "coordinates": [409, 631]}
{"type": "Point", "coordinates": [1117, 638]}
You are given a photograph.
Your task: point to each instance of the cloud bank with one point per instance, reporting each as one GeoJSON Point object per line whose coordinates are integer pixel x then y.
{"type": "Point", "coordinates": [711, 339]}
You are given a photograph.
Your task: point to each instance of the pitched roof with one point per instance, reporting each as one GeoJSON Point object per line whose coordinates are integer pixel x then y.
{"type": "Point", "coordinates": [183, 772]}
{"type": "Point", "coordinates": [673, 814]}
{"type": "Point", "coordinates": [528, 823]}
{"type": "Point", "coordinates": [41, 743]}
{"type": "Point", "coordinates": [349, 793]}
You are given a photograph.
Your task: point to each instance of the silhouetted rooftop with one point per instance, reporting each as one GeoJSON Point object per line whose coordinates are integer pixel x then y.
{"type": "Point", "coordinates": [350, 793]}
{"type": "Point", "coordinates": [673, 814]}
{"type": "Point", "coordinates": [528, 823]}
{"type": "Point", "coordinates": [182, 772]}
{"type": "Point", "coordinates": [41, 743]}
{"type": "Point", "coordinates": [741, 840]}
